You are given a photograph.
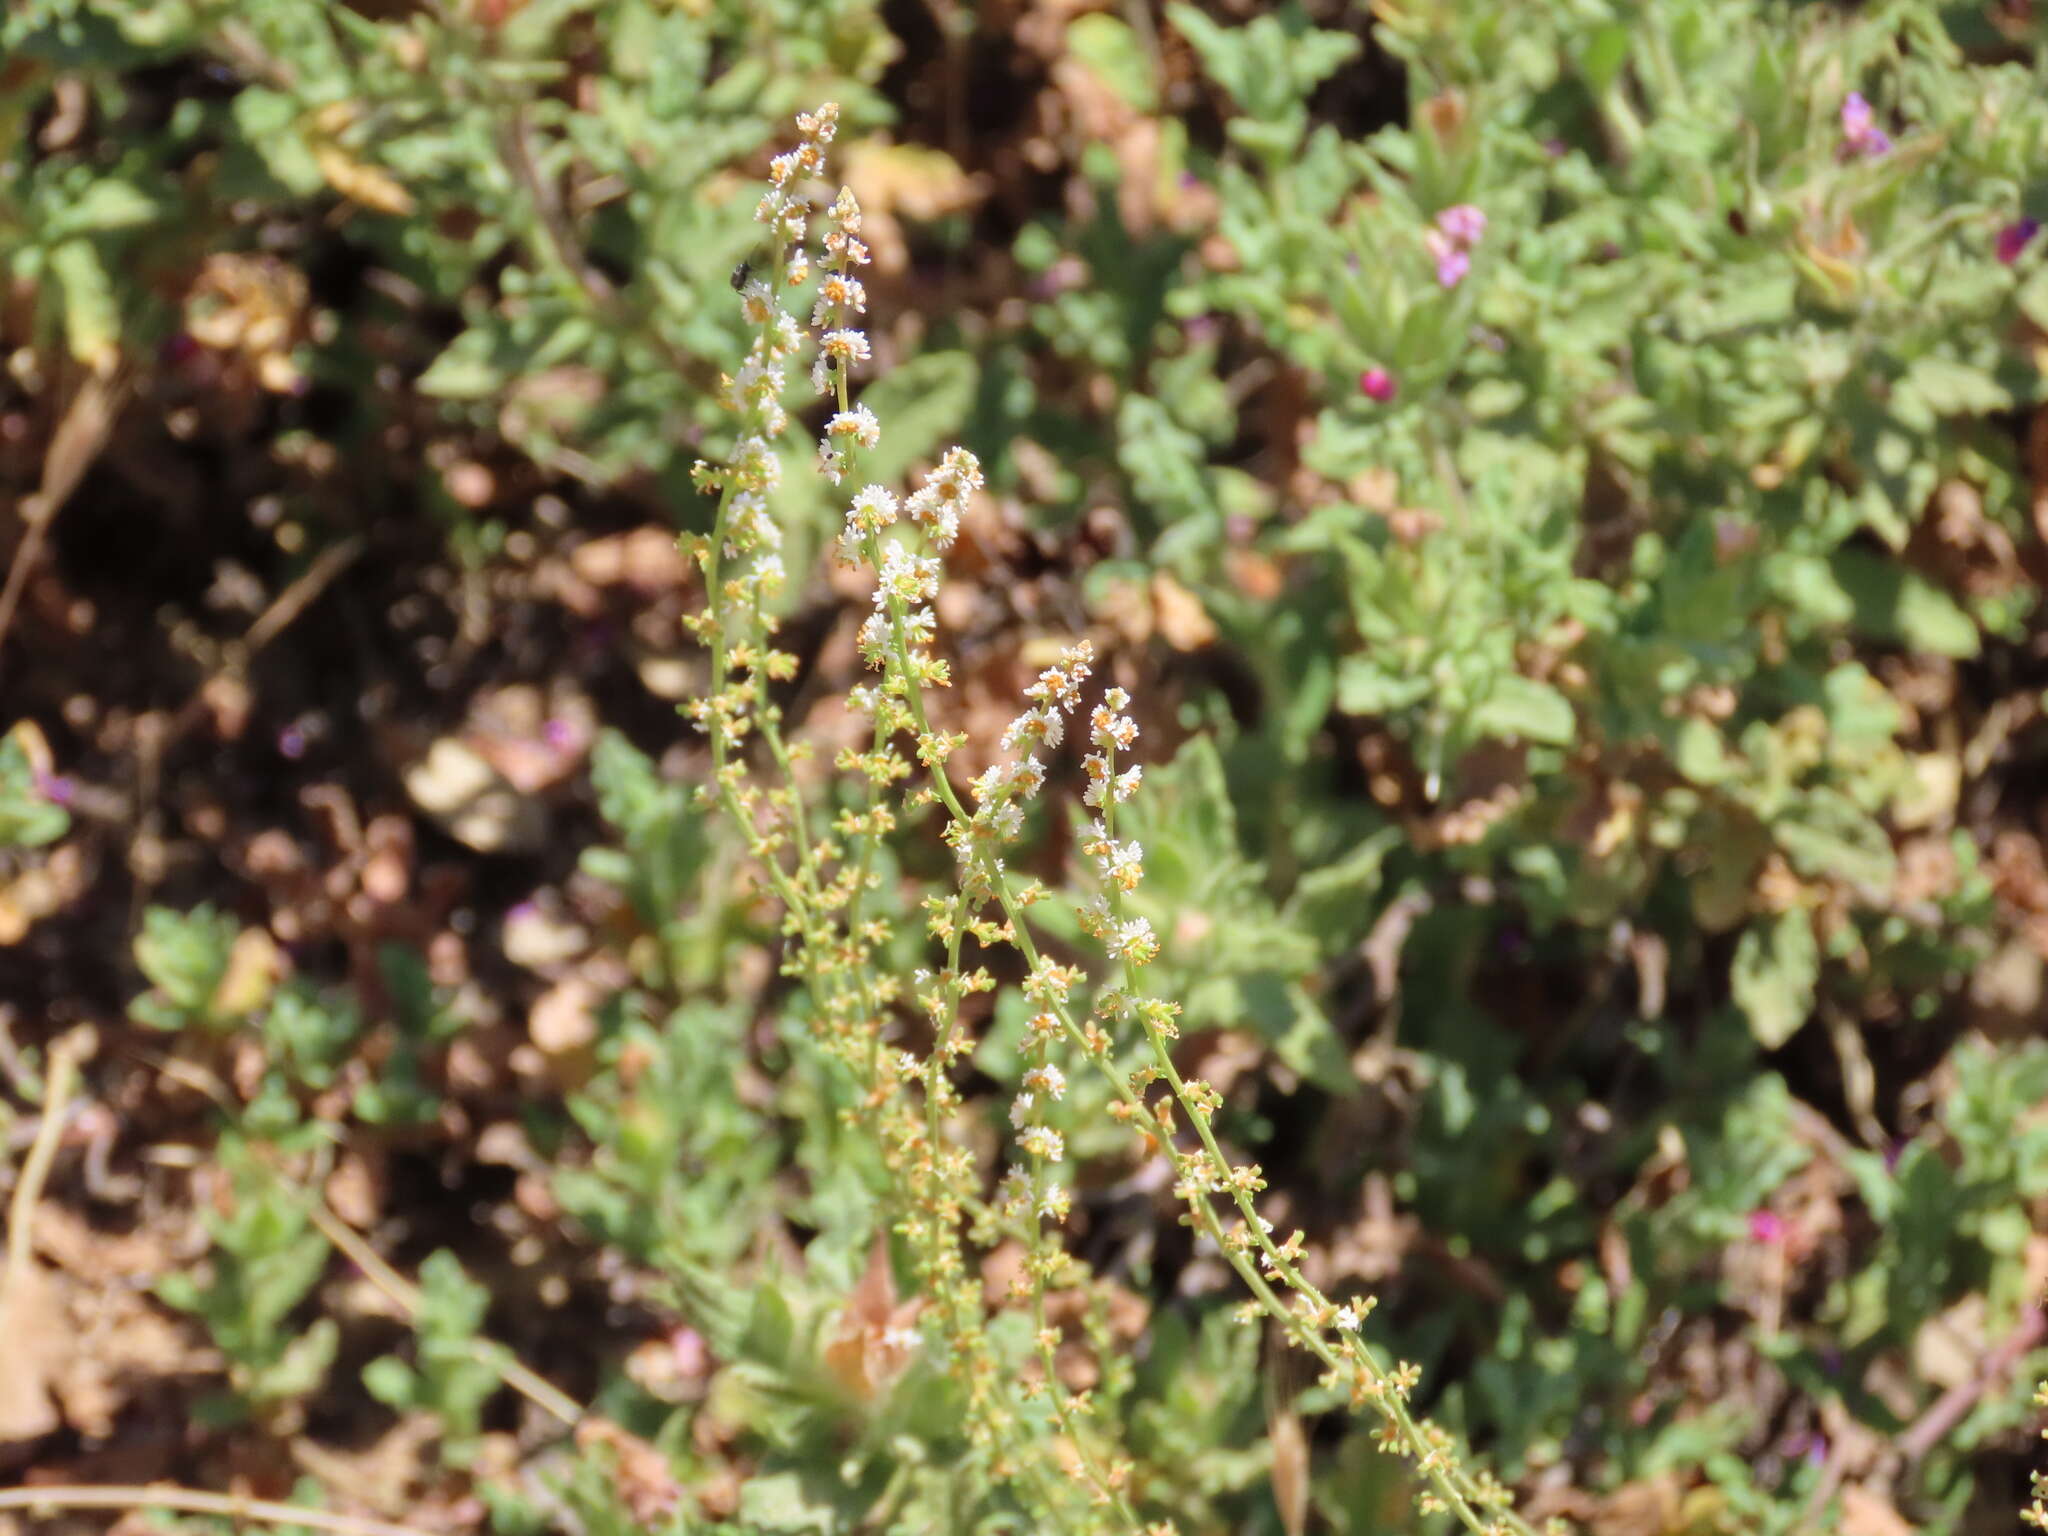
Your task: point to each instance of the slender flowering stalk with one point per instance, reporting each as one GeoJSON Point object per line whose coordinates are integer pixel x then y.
{"type": "Point", "coordinates": [823, 881]}
{"type": "Point", "coordinates": [824, 877]}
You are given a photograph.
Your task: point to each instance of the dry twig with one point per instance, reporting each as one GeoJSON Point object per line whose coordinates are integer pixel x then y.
{"type": "Point", "coordinates": [76, 443]}
{"type": "Point", "coordinates": [193, 1501]}
{"type": "Point", "coordinates": [28, 1189]}
{"type": "Point", "coordinates": [528, 1383]}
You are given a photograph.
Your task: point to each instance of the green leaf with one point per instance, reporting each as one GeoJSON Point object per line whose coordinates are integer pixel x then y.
{"type": "Point", "coordinates": [1603, 56]}
{"type": "Point", "coordinates": [1366, 688]}
{"type": "Point", "coordinates": [1950, 388]}
{"type": "Point", "coordinates": [771, 1327]}
{"type": "Point", "coordinates": [1108, 46]}
{"type": "Point", "coordinates": [920, 404]}
{"type": "Point", "coordinates": [467, 369]}
{"type": "Point", "coordinates": [391, 1381]}
{"type": "Point", "coordinates": [1810, 585]}
{"type": "Point", "coordinates": [1824, 834]}
{"type": "Point", "coordinates": [108, 203]}
{"type": "Point", "coordinates": [184, 955]}
{"type": "Point", "coordinates": [1524, 708]}
{"type": "Point", "coordinates": [92, 315]}
{"type": "Point", "coordinates": [1777, 966]}
{"type": "Point", "coordinates": [28, 818]}
{"type": "Point", "coordinates": [269, 123]}
{"type": "Point", "coordinates": [303, 1365]}
{"type": "Point", "coordinates": [1701, 753]}
{"type": "Point", "coordinates": [779, 1503]}
{"type": "Point", "coordinates": [1895, 603]}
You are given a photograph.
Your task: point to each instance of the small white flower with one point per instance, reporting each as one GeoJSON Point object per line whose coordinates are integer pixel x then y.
{"type": "Point", "coordinates": [1020, 1110]}
{"type": "Point", "coordinates": [989, 783]}
{"type": "Point", "coordinates": [1043, 1141]}
{"type": "Point", "coordinates": [1348, 1318]}
{"type": "Point", "coordinates": [819, 126]}
{"type": "Point", "coordinates": [1047, 1079]}
{"type": "Point", "coordinates": [874, 638]}
{"type": "Point", "coordinates": [1040, 726]}
{"type": "Point", "coordinates": [938, 518]}
{"type": "Point", "coordinates": [838, 293]}
{"type": "Point", "coordinates": [848, 346]}
{"type": "Point", "coordinates": [859, 424]}
{"type": "Point", "coordinates": [1135, 941]}
{"type": "Point", "coordinates": [873, 507]}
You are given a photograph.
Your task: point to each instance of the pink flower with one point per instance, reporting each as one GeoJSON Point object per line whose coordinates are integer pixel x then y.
{"type": "Point", "coordinates": [1766, 1227]}
{"type": "Point", "coordinates": [1377, 384]}
{"type": "Point", "coordinates": [1860, 133]}
{"type": "Point", "coordinates": [1464, 223]}
{"type": "Point", "coordinates": [2014, 237]}
{"type": "Point", "coordinates": [1451, 265]}
{"type": "Point", "coordinates": [1458, 229]}
{"type": "Point", "coordinates": [692, 1355]}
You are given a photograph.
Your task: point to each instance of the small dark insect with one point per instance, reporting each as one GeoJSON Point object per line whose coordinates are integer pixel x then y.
{"type": "Point", "coordinates": [740, 274]}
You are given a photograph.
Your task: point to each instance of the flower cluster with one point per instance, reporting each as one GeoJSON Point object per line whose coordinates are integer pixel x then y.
{"type": "Point", "coordinates": [1120, 865]}
{"type": "Point", "coordinates": [840, 346]}
{"type": "Point", "coordinates": [1110, 731]}
{"type": "Point", "coordinates": [1002, 789]}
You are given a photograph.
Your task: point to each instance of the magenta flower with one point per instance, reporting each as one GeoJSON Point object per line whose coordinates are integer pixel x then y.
{"type": "Point", "coordinates": [1458, 229]}
{"type": "Point", "coordinates": [1766, 1227]}
{"type": "Point", "coordinates": [1377, 384]}
{"type": "Point", "coordinates": [1860, 133]}
{"type": "Point", "coordinates": [1464, 223]}
{"type": "Point", "coordinates": [2014, 237]}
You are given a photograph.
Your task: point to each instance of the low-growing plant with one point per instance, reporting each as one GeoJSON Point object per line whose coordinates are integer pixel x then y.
{"type": "Point", "coordinates": [267, 1256]}
{"type": "Point", "coordinates": [454, 1369]}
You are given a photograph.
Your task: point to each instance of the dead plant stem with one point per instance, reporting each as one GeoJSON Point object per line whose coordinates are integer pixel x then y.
{"type": "Point", "coordinates": [194, 1501]}
{"type": "Point", "coordinates": [35, 1171]}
